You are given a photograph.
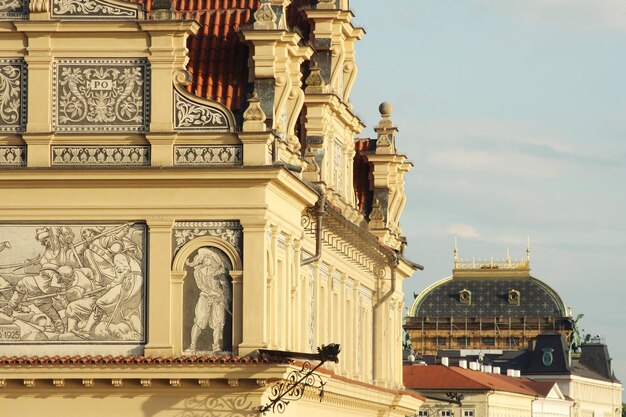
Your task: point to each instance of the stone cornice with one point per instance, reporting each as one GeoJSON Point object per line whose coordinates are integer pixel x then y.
{"type": "Point", "coordinates": [340, 108]}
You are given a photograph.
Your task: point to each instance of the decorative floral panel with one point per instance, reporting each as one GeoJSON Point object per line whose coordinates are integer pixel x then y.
{"type": "Point", "coordinates": [227, 230]}
{"type": "Point", "coordinates": [12, 156]}
{"type": "Point", "coordinates": [101, 95]}
{"type": "Point", "coordinates": [72, 284]}
{"type": "Point", "coordinates": [101, 155]}
{"type": "Point", "coordinates": [13, 9]}
{"type": "Point", "coordinates": [190, 115]}
{"type": "Point", "coordinates": [93, 9]}
{"type": "Point", "coordinates": [12, 95]}
{"type": "Point", "coordinates": [203, 155]}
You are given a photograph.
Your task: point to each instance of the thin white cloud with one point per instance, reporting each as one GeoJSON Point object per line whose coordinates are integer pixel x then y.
{"type": "Point", "coordinates": [462, 230]}
{"type": "Point", "coordinates": [586, 14]}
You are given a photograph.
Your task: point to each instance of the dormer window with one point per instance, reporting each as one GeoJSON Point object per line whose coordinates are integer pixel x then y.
{"type": "Point", "coordinates": [465, 296]}
{"type": "Point", "coordinates": [513, 297]}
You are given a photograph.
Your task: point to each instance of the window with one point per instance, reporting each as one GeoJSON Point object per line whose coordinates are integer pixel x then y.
{"type": "Point", "coordinates": [488, 341]}
{"type": "Point", "coordinates": [468, 413]}
{"type": "Point", "coordinates": [440, 341]}
{"type": "Point", "coordinates": [422, 413]}
{"type": "Point", "coordinates": [464, 341]}
{"type": "Point", "coordinates": [445, 413]}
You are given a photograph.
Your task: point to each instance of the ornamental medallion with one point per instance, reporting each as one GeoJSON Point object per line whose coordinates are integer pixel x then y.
{"type": "Point", "coordinates": [101, 95]}
{"type": "Point", "coordinates": [547, 357]}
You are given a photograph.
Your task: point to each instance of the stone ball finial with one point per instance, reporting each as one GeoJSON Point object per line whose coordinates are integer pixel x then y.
{"type": "Point", "coordinates": [385, 109]}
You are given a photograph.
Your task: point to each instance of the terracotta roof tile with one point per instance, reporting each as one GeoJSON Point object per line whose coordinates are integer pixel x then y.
{"type": "Point", "coordinates": [217, 58]}
{"type": "Point", "coordinates": [137, 360]}
{"type": "Point", "coordinates": [439, 377]}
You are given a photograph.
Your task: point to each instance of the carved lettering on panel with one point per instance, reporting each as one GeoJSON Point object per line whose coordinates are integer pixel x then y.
{"type": "Point", "coordinates": [12, 156]}
{"type": "Point", "coordinates": [98, 95]}
{"type": "Point", "coordinates": [204, 155]}
{"type": "Point", "coordinates": [72, 284]}
{"type": "Point", "coordinates": [12, 95]}
{"type": "Point", "coordinates": [97, 9]}
{"type": "Point", "coordinates": [100, 155]}
{"type": "Point", "coordinates": [13, 9]}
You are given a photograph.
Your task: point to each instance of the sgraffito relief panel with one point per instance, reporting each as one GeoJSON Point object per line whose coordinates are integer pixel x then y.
{"type": "Point", "coordinates": [100, 155]}
{"type": "Point", "coordinates": [204, 155]}
{"type": "Point", "coordinates": [13, 9]}
{"type": "Point", "coordinates": [190, 115]}
{"type": "Point", "coordinates": [101, 95]}
{"type": "Point", "coordinates": [227, 230]}
{"type": "Point", "coordinates": [207, 303]}
{"type": "Point", "coordinates": [72, 284]}
{"type": "Point", "coordinates": [12, 94]}
{"type": "Point", "coordinates": [12, 156]}
{"type": "Point", "coordinates": [93, 9]}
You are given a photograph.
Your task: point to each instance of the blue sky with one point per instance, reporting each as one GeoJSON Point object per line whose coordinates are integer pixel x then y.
{"type": "Point", "coordinates": [514, 115]}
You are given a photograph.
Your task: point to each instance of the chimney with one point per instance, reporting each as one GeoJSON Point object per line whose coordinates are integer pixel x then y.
{"type": "Point", "coordinates": [487, 369]}
{"type": "Point", "coordinates": [463, 364]}
{"type": "Point", "coordinates": [474, 366]}
{"type": "Point", "coordinates": [496, 370]}
{"type": "Point", "coordinates": [445, 361]}
{"type": "Point", "coordinates": [510, 372]}
{"type": "Point", "coordinates": [518, 373]}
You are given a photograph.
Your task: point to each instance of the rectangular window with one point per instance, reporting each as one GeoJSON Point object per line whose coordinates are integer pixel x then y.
{"type": "Point", "coordinates": [488, 341]}
{"type": "Point", "coordinates": [440, 341]}
{"type": "Point", "coordinates": [422, 413]}
{"type": "Point", "coordinates": [463, 341]}
{"type": "Point", "coordinates": [468, 413]}
{"type": "Point", "coordinates": [445, 413]}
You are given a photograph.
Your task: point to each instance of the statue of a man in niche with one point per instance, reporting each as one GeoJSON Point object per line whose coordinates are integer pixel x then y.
{"type": "Point", "coordinates": [211, 274]}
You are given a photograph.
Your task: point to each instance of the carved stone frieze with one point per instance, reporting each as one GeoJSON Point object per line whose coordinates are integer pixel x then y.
{"type": "Point", "coordinates": [101, 155]}
{"type": "Point", "coordinates": [13, 9]}
{"type": "Point", "coordinates": [194, 115]}
{"type": "Point", "coordinates": [12, 156]}
{"type": "Point", "coordinates": [12, 94]}
{"type": "Point", "coordinates": [228, 230]}
{"type": "Point", "coordinates": [205, 155]}
{"type": "Point", "coordinates": [94, 9]}
{"type": "Point", "coordinates": [101, 95]}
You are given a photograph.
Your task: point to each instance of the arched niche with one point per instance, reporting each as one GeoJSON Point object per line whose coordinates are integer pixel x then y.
{"type": "Point", "coordinates": [181, 273]}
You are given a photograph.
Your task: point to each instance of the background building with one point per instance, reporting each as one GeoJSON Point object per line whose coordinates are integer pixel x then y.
{"type": "Point", "coordinates": [485, 305]}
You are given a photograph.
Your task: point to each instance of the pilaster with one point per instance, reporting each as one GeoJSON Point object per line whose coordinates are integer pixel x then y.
{"type": "Point", "coordinates": [254, 297]}
{"type": "Point", "coordinates": [159, 287]}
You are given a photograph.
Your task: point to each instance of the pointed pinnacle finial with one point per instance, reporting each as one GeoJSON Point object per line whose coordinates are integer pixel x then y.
{"type": "Point", "coordinates": [528, 250]}
{"type": "Point", "coordinates": [456, 252]}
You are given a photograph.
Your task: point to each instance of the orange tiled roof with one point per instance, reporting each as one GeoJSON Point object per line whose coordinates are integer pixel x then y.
{"type": "Point", "coordinates": [217, 58]}
{"type": "Point", "coordinates": [439, 377]}
{"type": "Point", "coordinates": [136, 360]}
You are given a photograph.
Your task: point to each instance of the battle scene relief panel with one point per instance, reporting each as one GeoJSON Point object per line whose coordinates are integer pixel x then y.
{"type": "Point", "coordinates": [101, 95]}
{"type": "Point", "coordinates": [72, 284]}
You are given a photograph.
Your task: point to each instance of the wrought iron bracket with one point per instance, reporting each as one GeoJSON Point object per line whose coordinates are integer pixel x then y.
{"type": "Point", "coordinates": [292, 387]}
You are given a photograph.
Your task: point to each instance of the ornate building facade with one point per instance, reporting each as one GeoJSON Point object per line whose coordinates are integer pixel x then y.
{"type": "Point", "coordinates": [184, 206]}
{"type": "Point", "coordinates": [485, 305]}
